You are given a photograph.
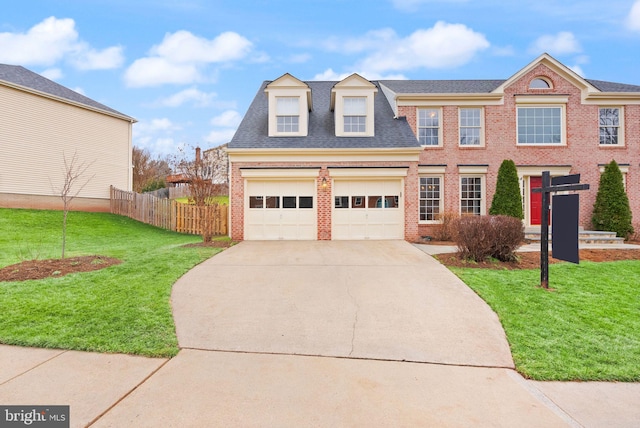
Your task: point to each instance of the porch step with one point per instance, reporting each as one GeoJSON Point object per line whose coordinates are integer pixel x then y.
{"type": "Point", "coordinates": [584, 236]}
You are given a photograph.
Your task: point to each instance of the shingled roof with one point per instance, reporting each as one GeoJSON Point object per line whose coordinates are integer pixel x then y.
{"type": "Point", "coordinates": [253, 132]}
{"type": "Point", "coordinates": [442, 86]}
{"type": "Point", "coordinates": [20, 76]}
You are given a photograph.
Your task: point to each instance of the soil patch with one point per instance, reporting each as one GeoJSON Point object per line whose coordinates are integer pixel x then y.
{"type": "Point", "coordinates": [40, 269]}
{"type": "Point", "coordinates": [531, 260]}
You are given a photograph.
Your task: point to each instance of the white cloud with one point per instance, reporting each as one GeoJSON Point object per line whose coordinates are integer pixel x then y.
{"type": "Point", "coordinates": [369, 41]}
{"type": "Point", "coordinates": [52, 74]}
{"type": "Point", "coordinates": [54, 40]}
{"type": "Point", "coordinates": [229, 118]}
{"type": "Point", "coordinates": [183, 46]}
{"type": "Point", "coordinates": [412, 5]}
{"type": "Point", "coordinates": [182, 58]}
{"type": "Point", "coordinates": [331, 75]}
{"type": "Point", "coordinates": [633, 20]}
{"type": "Point", "coordinates": [91, 59]}
{"type": "Point", "coordinates": [153, 126]}
{"type": "Point", "coordinates": [156, 71]}
{"type": "Point", "coordinates": [556, 44]}
{"type": "Point", "coordinates": [442, 46]}
{"type": "Point", "coordinates": [79, 90]}
{"type": "Point", "coordinates": [578, 70]}
{"type": "Point", "coordinates": [193, 95]}
{"type": "Point", "coordinates": [220, 136]}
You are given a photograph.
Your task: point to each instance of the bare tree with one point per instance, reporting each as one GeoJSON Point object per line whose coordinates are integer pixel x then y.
{"type": "Point", "coordinates": [216, 166]}
{"type": "Point", "coordinates": [73, 171]}
{"type": "Point", "coordinates": [148, 171]}
{"type": "Point", "coordinates": [201, 189]}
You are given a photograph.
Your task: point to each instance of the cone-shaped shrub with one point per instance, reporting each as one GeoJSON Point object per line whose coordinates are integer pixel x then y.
{"type": "Point", "coordinates": [611, 211]}
{"type": "Point", "coordinates": [507, 200]}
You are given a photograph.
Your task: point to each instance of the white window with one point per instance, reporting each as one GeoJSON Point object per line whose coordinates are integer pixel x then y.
{"type": "Point", "coordinates": [470, 126]}
{"type": "Point", "coordinates": [429, 126]}
{"type": "Point", "coordinates": [288, 114]}
{"type": "Point", "coordinates": [540, 125]}
{"type": "Point", "coordinates": [471, 195]}
{"type": "Point", "coordinates": [430, 198]}
{"type": "Point", "coordinates": [539, 83]}
{"type": "Point", "coordinates": [355, 114]}
{"type": "Point", "coordinates": [610, 126]}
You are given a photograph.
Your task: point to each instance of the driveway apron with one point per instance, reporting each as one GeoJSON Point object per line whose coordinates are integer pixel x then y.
{"type": "Point", "coordinates": [381, 300]}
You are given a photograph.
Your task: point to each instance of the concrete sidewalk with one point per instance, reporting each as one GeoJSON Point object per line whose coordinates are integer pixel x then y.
{"type": "Point", "coordinates": [316, 334]}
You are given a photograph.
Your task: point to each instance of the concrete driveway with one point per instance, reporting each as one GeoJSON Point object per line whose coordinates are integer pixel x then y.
{"type": "Point", "coordinates": [382, 300]}
{"type": "Point", "coordinates": [316, 334]}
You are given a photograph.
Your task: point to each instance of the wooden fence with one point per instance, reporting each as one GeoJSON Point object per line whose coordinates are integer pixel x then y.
{"type": "Point", "coordinates": [169, 214]}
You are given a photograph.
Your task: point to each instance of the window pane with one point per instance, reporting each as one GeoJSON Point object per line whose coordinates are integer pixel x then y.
{"type": "Point", "coordinates": [375, 202]}
{"type": "Point", "coordinates": [429, 198]}
{"type": "Point", "coordinates": [305, 202]}
{"type": "Point", "coordinates": [391, 202]}
{"type": "Point", "coordinates": [354, 123]}
{"type": "Point", "coordinates": [357, 202]}
{"type": "Point", "coordinates": [539, 125]}
{"type": "Point", "coordinates": [289, 202]}
{"type": "Point", "coordinates": [255, 202]}
{"type": "Point", "coordinates": [342, 202]}
{"type": "Point", "coordinates": [355, 106]}
{"type": "Point", "coordinates": [428, 126]}
{"type": "Point", "coordinates": [287, 106]}
{"type": "Point", "coordinates": [288, 124]}
{"type": "Point", "coordinates": [272, 202]}
{"type": "Point", "coordinates": [470, 195]}
{"type": "Point", "coordinates": [609, 125]}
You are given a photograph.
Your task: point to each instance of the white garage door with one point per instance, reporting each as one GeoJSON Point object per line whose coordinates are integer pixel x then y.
{"type": "Point", "coordinates": [280, 210]}
{"type": "Point", "coordinates": [368, 209]}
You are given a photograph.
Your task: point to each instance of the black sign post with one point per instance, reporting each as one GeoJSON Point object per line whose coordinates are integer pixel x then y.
{"type": "Point", "coordinates": [564, 219]}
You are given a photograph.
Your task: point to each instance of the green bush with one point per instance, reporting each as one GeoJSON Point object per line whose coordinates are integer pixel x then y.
{"type": "Point", "coordinates": [507, 200]}
{"type": "Point", "coordinates": [152, 185]}
{"type": "Point", "coordinates": [611, 210]}
{"type": "Point", "coordinates": [481, 237]}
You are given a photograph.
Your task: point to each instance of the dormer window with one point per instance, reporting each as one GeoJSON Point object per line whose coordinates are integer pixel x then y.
{"type": "Point", "coordinates": [539, 83]}
{"type": "Point", "coordinates": [289, 104]}
{"type": "Point", "coordinates": [352, 101]}
{"type": "Point", "coordinates": [288, 114]}
{"type": "Point", "coordinates": [355, 114]}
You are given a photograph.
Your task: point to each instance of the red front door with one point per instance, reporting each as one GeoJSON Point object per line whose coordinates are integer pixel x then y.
{"type": "Point", "coordinates": [535, 201]}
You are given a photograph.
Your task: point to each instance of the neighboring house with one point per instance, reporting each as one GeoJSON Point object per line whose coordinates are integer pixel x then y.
{"type": "Point", "coordinates": [383, 160]}
{"type": "Point", "coordinates": [42, 123]}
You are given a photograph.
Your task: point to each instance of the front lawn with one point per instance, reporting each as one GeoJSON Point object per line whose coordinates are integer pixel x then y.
{"type": "Point", "coordinates": [587, 329]}
{"type": "Point", "coordinates": [124, 308]}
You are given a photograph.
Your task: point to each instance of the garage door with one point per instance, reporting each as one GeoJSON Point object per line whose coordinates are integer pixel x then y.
{"type": "Point", "coordinates": [368, 209]}
{"type": "Point", "coordinates": [280, 210]}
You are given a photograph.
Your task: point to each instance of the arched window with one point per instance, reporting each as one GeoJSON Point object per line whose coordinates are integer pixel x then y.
{"type": "Point", "coordinates": [539, 83]}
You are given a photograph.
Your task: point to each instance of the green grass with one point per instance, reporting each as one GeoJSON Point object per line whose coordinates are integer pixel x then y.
{"type": "Point", "coordinates": [222, 200]}
{"type": "Point", "coordinates": [587, 329]}
{"type": "Point", "coordinates": [124, 308]}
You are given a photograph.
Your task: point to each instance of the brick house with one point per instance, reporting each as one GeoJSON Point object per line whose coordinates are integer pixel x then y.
{"type": "Point", "coordinates": [358, 159]}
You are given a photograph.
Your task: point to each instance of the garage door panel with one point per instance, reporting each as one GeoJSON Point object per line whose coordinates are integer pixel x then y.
{"type": "Point", "coordinates": [280, 209]}
{"type": "Point", "coordinates": [368, 209]}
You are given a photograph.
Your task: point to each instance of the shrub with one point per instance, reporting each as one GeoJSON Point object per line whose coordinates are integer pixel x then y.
{"type": "Point", "coordinates": [445, 230]}
{"type": "Point", "coordinates": [611, 210]}
{"type": "Point", "coordinates": [481, 237]}
{"type": "Point", "coordinates": [507, 200]}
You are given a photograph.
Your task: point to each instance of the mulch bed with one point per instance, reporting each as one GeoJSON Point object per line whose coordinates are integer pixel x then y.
{"type": "Point", "coordinates": [40, 269]}
{"type": "Point", "coordinates": [531, 260]}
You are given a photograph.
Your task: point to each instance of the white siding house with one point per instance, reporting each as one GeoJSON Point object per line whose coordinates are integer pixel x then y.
{"type": "Point", "coordinates": [41, 123]}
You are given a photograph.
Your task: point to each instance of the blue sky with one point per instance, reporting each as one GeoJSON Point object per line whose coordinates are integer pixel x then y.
{"type": "Point", "coordinates": [188, 69]}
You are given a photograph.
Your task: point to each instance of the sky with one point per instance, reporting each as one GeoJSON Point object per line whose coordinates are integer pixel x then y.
{"type": "Point", "coordinates": [187, 70]}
